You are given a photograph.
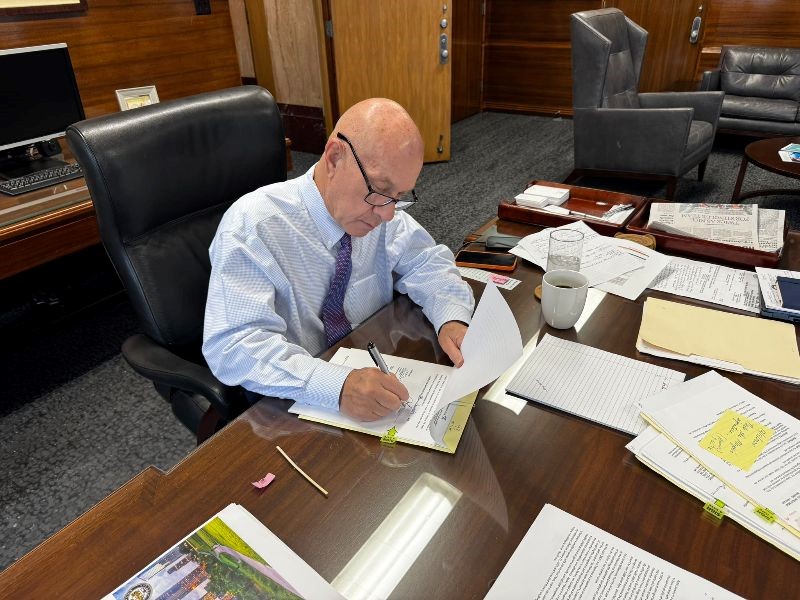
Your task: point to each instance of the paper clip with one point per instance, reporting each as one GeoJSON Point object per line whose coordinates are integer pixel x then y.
{"type": "Point", "coordinates": [716, 510]}
{"type": "Point", "coordinates": [390, 437]}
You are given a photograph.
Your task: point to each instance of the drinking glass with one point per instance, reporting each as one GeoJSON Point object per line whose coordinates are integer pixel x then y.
{"type": "Point", "coordinates": [565, 250]}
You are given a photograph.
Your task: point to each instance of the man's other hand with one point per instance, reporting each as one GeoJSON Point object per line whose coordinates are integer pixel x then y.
{"type": "Point", "coordinates": [450, 337]}
{"type": "Point", "coordinates": [369, 394]}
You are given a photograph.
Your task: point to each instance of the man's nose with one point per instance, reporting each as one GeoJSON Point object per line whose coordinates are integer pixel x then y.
{"type": "Point", "coordinates": [386, 213]}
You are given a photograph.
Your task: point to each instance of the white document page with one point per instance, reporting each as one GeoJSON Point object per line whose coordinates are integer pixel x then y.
{"type": "Point", "coordinates": [563, 556]}
{"type": "Point", "coordinates": [425, 383]}
{"type": "Point", "coordinates": [768, 282]}
{"type": "Point", "coordinates": [502, 281]}
{"type": "Point", "coordinates": [773, 481]}
{"type": "Point", "coordinates": [492, 344]}
{"type": "Point", "coordinates": [734, 288]}
{"type": "Point", "coordinates": [660, 454]}
{"type": "Point", "coordinates": [735, 224]}
{"type": "Point", "coordinates": [601, 260]}
{"type": "Point", "coordinates": [771, 223]}
{"type": "Point", "coordinates": [630, 285]}
{"type": "Point", "coordinates": [591, 383]}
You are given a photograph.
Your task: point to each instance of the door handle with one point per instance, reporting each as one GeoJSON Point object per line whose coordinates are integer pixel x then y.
{"type": "Point", "coordinates": [695, 32]}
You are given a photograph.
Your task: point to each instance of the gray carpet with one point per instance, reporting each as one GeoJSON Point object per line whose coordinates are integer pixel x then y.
{"type": "Point", "coordinates": [77, 423]}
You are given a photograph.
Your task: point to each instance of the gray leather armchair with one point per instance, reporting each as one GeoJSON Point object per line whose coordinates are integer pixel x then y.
{"type": "Point", "coordinates": [619, 132]}
{"type": "Point", "coordinates": [161, 177]}
{"type": "Point", "coordinates": [762, 90]}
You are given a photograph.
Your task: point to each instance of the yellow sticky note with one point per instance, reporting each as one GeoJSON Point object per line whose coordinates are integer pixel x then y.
{"type": "Point", "coordinates": [737, 439]}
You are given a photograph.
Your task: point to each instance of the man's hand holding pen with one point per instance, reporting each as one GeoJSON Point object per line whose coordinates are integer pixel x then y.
{"type": "Point", "coordinates": [371, 394]}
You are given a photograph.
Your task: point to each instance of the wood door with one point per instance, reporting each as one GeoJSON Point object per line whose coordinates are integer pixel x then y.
{"type": "Point", "coordinates": [391, 49]}
{"type": "Point", "coordinates": [670, 60]}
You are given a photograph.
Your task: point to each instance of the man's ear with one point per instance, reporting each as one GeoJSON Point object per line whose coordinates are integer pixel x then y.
{"type": "Point", "coordinates": [332, 155]}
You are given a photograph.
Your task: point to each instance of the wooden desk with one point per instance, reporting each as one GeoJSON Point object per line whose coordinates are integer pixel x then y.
{"type": "Point", "coordinates": [45, 224]}
{"type": "Point", "coordinates": [506, 467]}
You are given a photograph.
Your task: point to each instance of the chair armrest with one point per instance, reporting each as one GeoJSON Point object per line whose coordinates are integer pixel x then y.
{"type": "Point", "coordinates": [706, 105]}
{"type": "Point", "coordinates": [631, 139]}
{"type": "Point", "coordinates": [162, 366]}
{"type": "Point", "coordinates": [710, 81]}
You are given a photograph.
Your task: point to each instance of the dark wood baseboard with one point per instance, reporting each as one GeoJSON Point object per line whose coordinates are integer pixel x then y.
{"type": "Point", "coordinates": [305, 126]}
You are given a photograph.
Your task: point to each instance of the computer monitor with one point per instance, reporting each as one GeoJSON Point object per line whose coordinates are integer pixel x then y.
{"type": "Point", "coordinates": [39, 99]}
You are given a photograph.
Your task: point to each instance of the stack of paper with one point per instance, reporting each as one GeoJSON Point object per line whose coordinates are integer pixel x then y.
{"type": "Point", "coordinates": [440, 397]}
{"type": "Point", "coordinates": [594, 384]}
{"type": "Point", "coordinates": [719, 340]}
{"type": "Point", "coordinates": [744, 225]}
{"type": "Point", "coordinates": [602, 259]}
{"type": "Point", "coordinates": [231, 552]}
{"type": "Point", "coordinates": [731, 449]}
{"type": "Point", "coordinates": [563, 556]}
{"type": "Point", "coordinates": [539, 196]}
{"type": "Point", "coordinates": [734, 288]}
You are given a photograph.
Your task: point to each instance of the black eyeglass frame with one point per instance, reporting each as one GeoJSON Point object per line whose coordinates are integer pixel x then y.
{"type": "Point", "coordinates": [399, 203]}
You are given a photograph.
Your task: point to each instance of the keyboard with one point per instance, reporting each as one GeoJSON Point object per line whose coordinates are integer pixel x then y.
{"type": "Point", "coordinates": [40, 179]}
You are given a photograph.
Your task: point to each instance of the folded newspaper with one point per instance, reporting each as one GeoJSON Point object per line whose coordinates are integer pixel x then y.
{"type": "Point", "coordinates": [744, 225]}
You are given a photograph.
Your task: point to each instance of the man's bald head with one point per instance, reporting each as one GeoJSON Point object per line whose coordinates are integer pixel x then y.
{"type": "Point", "coordinates": [380, 128]}
{"type": "Point", "coordinates": [390, 149]}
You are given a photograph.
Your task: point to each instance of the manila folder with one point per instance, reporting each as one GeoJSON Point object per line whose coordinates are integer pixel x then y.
{"type": "Point", "coordinates": [753, 343]}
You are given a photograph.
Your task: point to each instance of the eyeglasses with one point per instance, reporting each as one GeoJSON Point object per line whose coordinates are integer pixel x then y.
{"type": "Point", "coordinates": [400, 203]}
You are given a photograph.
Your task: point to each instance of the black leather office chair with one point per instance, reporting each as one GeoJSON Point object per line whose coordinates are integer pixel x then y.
{"type": "Point", "coordinates": [617, 130]}
{"type": "Point", "coordinates": [161, 177]}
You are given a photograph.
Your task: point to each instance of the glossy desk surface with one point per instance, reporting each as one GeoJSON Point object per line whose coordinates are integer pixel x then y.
{"type": "Point", "coordinates": [432, 525]}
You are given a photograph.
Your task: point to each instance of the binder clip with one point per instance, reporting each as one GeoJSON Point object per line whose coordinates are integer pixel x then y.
{"type": "Point", "coordinates": [766, 514]}
{"type": "Point", "coordinates": [716, 510]}
{"type": "Point", "coordinates": [390, 437]}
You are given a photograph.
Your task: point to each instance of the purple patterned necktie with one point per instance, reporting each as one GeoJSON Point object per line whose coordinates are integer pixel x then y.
{"type": "Point", "coordinates": [333, 318]}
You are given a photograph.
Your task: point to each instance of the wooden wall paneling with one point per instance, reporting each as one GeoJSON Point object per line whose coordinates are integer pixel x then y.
{"type": "Point", "coordinates": [527, 59]}
{"type": "Point", "coordinates": [670, 60]}
{"type": "Point", "coordinates": [295, 56]}
{"type": "Point", "coordinates": [772, 23]}
{"type": "Point", "coordinates": [241, 37]}
{"type": "Point", "coordinates": [466, 45]}
{"type": "Point", "coordinates": [259, 42]}
{"type": "Point", "coordinates": [117, 44]}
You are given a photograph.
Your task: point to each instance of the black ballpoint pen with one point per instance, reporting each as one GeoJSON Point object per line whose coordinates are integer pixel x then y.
{"type": "Point", "coordinates": [377, 358]}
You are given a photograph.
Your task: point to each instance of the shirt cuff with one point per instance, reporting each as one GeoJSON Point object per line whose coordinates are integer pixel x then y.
{"type": "Point", "coordinates": [324, 387]}
{"type": "Point", "coordinates": [452, 313]}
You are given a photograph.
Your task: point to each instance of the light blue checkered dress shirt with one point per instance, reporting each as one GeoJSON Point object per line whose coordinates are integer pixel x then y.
{"type": "Point", "coordinates": [272, 260]}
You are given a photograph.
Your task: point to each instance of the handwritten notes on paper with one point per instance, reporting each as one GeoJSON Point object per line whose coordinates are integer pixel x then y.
{"type": "Point", "coordinates": [591, 383]}
{"type": "Point", "coordinates": [737, 439]}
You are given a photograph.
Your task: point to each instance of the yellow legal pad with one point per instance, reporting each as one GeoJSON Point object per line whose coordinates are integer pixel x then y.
{"type": "Point", "coordinates": [756, 345]}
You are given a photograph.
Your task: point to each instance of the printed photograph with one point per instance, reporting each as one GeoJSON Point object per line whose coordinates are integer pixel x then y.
{"type": "Point", "coordinates": [214, 563]}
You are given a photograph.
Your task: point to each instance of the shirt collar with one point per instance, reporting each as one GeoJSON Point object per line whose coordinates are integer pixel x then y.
{"type": "Point", "coordinates": [329, 229]}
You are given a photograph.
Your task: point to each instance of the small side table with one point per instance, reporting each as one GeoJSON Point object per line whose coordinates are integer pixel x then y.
{"type": "Point", "coordinates": [764, 154]}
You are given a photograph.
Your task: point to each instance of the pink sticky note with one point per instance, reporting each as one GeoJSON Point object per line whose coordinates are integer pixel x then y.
{"type": "Point", "coordinates": [262, 483]}
{"type": "Point", "coordinates": [499, 279]}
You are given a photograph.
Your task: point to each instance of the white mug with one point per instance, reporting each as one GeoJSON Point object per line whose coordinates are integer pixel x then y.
{"type": "Point", "coordinates": [563, 297]}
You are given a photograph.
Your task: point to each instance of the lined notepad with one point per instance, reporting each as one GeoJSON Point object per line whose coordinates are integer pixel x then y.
{"type": "Point", "coordinates": [591, 383]}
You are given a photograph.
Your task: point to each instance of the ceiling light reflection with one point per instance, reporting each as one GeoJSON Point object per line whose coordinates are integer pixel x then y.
{"type": "Point", "coordinates": [593, 299]}
{"type": "Point", "coordinates": [388, 554]}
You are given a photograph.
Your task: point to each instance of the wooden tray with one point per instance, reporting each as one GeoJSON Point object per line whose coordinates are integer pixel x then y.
{"type": "Point", "coordinates": [586, 200]}
{"type": "Point", "coordinates": [672, 243]}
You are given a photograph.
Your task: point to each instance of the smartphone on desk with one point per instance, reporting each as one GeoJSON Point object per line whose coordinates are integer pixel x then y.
{"type": "Point", "coordinates": [498, 261]}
